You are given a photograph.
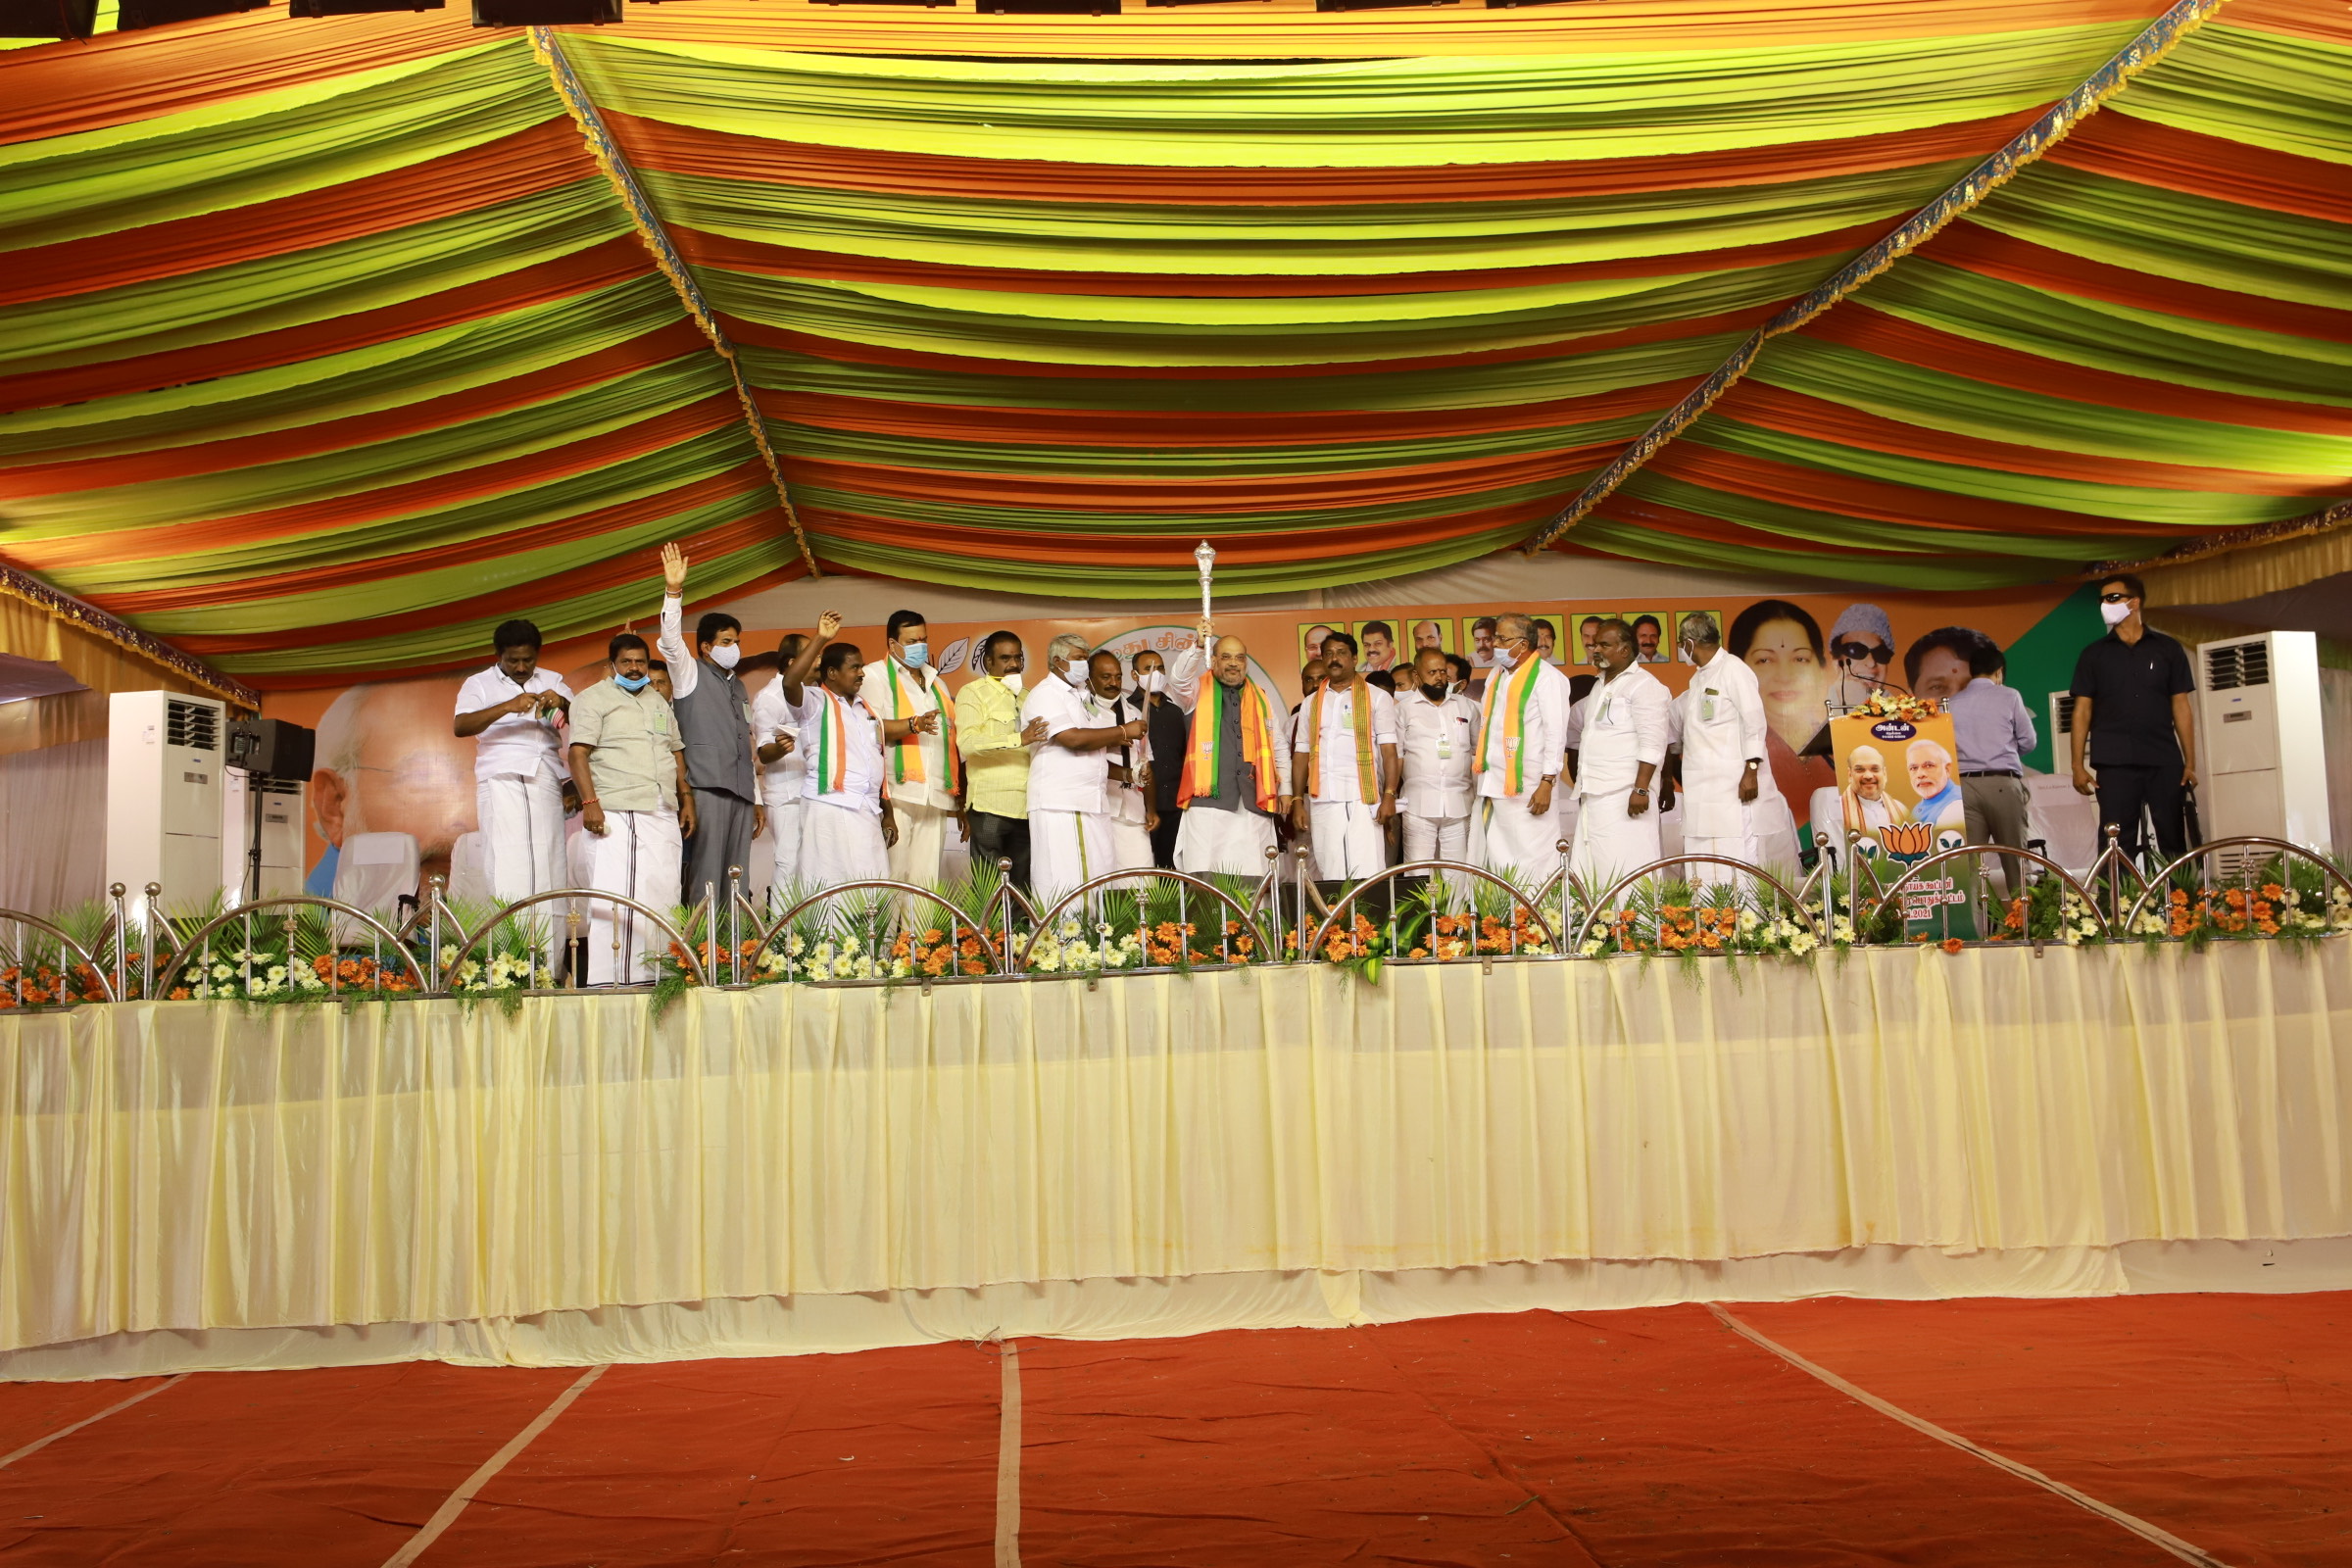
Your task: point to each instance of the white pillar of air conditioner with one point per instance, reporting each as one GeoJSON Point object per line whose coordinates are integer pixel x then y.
{"type": "Point", "coordinates": [165, 788]}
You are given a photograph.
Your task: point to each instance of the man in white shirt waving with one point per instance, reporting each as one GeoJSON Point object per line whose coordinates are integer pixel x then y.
{"type": "Point", "coordinates": [1719, 721]}
{"type": "Point", "coordinates": [1621, 742]}
{"type": "Point", "coordinates": [1069, 820]}
{"type": "Point", "coordinates": [1437, 731]}
{"type": "Point", "coordinates": [1523, 728]}
{"type": "Point", "coordinates": [782, 775]}
{"type": "Point", "coordinates": [926, 768]}
{"type": "Point", "coordinates": [512, 707]}
{"type": "Point", "coordinates": [846, 823]}
{"type": "Point", "coordinates": [1343, 767]}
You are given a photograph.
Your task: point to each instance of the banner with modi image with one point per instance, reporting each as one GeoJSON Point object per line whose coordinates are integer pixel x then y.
{"type": "Point", "coordinates": [1898, 786]}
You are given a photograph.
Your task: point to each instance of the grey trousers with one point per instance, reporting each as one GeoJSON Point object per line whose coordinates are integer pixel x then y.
{"type": "Point", "coordinates": [723, 838]}
{"type": "Point", "coordinates": [1996, 814]}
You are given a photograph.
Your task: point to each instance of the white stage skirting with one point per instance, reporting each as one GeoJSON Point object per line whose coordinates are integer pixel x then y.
{"type": "Point", "coordinates": [792, 1169]}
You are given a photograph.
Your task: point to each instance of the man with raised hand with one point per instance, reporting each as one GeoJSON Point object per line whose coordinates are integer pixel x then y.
{"type": "Point", "coordinates": [714, 720]}
{"type": "Point", "coordinates": [1522, 730]}
{"type": "Point", "coordinates": [1719, 721]}
{"type": "Point", "coordinates": [1237, 761]}
{"type": "Point", "coordinates": [1621, 743]}
{"type": "Point", "coordinates": [846, 823]}
{"type": "Point", "coordinates": [1343, 767]}
{"type": "Point", "coordinates": [629, 766]}
{"type": "Point", "coordinates": [1070, 825]}
{"type": "Point", "coordinates": [926, 777]}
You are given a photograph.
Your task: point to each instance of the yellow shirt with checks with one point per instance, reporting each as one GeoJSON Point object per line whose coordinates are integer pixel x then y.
{"type": "Point", "coordinates": [995, 765]}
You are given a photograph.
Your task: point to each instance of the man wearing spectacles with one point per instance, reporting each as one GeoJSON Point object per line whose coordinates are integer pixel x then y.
{"type": "Point", "coordinates": [2133, 727]}
{"type": "Point", "coordinates": [1862, 646]}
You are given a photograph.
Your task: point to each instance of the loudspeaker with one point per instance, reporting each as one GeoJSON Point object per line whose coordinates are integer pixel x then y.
{"type": "Point", "coordinates": [357, 8]}
{"type": "Point", "coordinates": [137, 13]}
{"type": "Point", "coordinates": [545, 13]}
{"type": "Point", "coordinates": [271, 748]}
{"type": "Point", "coordinates": [47, 19]}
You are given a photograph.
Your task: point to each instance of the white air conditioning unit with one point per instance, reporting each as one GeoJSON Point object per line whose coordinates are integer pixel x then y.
{"type": "Point", "coordinates": [2061, 730]}
{"type": "Point", "coordinates": [282, 822]}
{"type": "Point", "coordinates": [2259, 726]}
{"type": "Point", "coordinates": [164, 794]}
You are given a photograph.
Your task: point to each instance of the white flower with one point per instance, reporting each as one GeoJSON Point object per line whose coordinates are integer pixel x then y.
{"type": "Point", "coordinates": [1591, 948]}
{"type": "Point", "coordinates": [221, 971]}
{"type": "Point", "coordinates": [1802, 943]}
{"type": "Point", "coordinates": [256, 986]}
{"type": "Point", "coordinates": [277, 973]}
{"type": "Point", "coordinates": [866, 968]}
{"type": "Point", "coordinates": [1749, 920]}
{"type": "Point", "coordinates": [901, 968]}
{"type": "Point", "coordinates": [799, 945]}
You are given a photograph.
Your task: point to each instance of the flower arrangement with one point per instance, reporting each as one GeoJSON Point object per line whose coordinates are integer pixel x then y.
{"type": "Point", "coordinates": [49, 982]}
{"type": "Point", "coordinates": [1680, 920]}
{"type": "Point", "coordinates": [1886, 703]}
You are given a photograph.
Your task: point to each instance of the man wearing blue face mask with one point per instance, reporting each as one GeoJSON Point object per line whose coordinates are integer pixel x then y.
{"type": "Point", "coordinates": [629, 766]}
{"type": "Point", "coordinates": [924, 770]}
{"type": "Point", "coordinates": [714, 720]}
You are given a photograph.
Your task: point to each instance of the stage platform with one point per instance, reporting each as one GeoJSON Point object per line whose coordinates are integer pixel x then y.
{"type": "Point", "coordinates": [791, 1168]}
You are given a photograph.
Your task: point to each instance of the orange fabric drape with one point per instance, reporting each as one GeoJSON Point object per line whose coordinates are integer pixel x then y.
{"type": "Point", "coordinates": [2148, 151]}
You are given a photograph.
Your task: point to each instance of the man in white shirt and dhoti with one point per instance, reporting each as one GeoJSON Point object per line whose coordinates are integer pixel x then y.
{"type": "Point", "coordinates": [846, 821]}
{"type": "Point", "coordinates": [1523, 728]}
{"type": "Point", "coordinates": [1237, 761]}
{"type": "Point", "coordinates": [1621, 744]}
{"type": "Point", "coordinates": [1719, 722]}
{"type": "Point", "coordinates": [1069, 816]}
{"type": "Point", "coordinates": [1437, 733]}
{"type": "Point", "coordinates": [512, 709]}
{"type": "Point", "coordinates": [925, 772]}
{"type": "Point", "coordinates": [1343, 767]}
{"type": "Point", "coordinates": [781, 776]}
{"type": "Point", "coordinates": [628, 763]}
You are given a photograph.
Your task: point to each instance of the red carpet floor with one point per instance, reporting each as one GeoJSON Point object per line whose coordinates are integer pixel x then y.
{"type": "Point", "coordinates": [2222, 1424]}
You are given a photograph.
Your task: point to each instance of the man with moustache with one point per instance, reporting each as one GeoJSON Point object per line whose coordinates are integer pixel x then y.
{"type": "Point", "coordinates": [996, 757]}
{"type": "Point", "coordinates": [1719, 723]}
{"type": "Point", "coordinates": [1128, 790]}
{"type": "Point", "coordinates": [714, 720]}
{"type": "Point", "coordinates": [1237, 761]}
{"type": "Point", "coordinates": [1380, 645]}
{"type": "Point", "coordinates": [1621, 743]}
{"type": "Point", "coordinates": [511, 711]}
{"type": "Point", "coordinates": [1165, 728]}
{"type": "Point", "coordinates": [1343, 767]}
{"type": "Point", "coordinates": [1069, 822]}
{"type": "Point", "coordinates": [1522, 726]}
{"type": "Point", "coordinates": [927, 779]}
{"type": "Point", "coordinates": [846, 821]}
{"type": "Point", "coordinates": [1437, 733]}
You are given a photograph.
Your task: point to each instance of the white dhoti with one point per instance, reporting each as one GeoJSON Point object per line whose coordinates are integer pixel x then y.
{"type": "Point", "coordinates": [1130, 844]}
{"type": "Point", "coordinates": [1225, 842]}
{"type": "Point", "coordinates": [1514, 843]}
{"type": "Point", "coordinates": [1350, 843]}
{"type": "Point", "coordinates": [523, 833]}
{"type": "Point", "coordinates": [1066, 850]}
{"type": "Point", "coordinates": [1435, 838]}
{"type": "Point", "coordinates": [1609, 844]}
{"type": "Point", "coordinates": [784, 850]}
{"type": "Point", "coordinates": [841, 843]}
{"type": "Point", "coordinates": [922, 836]}
{"type": "Point", "coordinates": [640, 856]}
{"type": "Point", "coordinates": [1734, 836]}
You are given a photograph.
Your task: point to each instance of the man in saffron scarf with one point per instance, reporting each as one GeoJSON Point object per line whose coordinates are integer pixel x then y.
{"type": "Point", "coordinates": [1522, 729]}
{"type": "Point", "coordinates": [1343, 767]}
{"type": "Point", "coordinates": [1236, 763]}
{"type": "Point", "coordinates": [925, 768]}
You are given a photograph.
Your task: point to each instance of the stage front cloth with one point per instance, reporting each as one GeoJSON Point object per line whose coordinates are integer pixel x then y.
{"type": "Point", "coordinates": [796, 1168]}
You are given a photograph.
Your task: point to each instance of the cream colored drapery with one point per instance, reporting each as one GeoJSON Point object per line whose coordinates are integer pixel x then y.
{"type": "Point", "coordinates": [187, 1168]}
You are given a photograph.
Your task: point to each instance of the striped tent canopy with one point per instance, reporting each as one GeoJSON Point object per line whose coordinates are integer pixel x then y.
{"type": "Point", "coordinates": [327, 343]}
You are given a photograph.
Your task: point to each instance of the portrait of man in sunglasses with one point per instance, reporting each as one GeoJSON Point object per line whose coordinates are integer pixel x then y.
{"type": "Point", "coordinates": [1862, 652]}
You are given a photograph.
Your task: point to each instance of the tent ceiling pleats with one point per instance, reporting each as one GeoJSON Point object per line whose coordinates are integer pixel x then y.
{"type": "Point", "coordinates": [326, 344]}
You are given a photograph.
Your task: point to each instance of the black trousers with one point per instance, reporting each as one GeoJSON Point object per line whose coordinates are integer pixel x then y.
{"type": "Point", "coordinates": [1002, 837]}
{"type": "Point", "coordinates": [1163, 837]}
{"type": "Point", "coordinates": [2124, 791]}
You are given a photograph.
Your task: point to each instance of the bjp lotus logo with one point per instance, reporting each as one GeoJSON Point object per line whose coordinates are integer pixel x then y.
{"type": "Point", "coordinates": [1909, 840]}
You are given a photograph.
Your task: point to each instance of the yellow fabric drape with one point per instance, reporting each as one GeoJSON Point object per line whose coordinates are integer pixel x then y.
{"type": "Point", "coordinates": [27, 631]}
{"type": "Point", "coordinates": [189, 1166]}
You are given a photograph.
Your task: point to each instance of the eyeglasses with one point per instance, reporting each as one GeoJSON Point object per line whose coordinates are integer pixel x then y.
{"type": "Point", "coordinates": [2114, 599]}
{"type": "Point", "coordinates": [1856, 653]}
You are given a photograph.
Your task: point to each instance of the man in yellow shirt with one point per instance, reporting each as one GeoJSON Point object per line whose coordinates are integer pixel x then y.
{"type": "Point", "coordinates": [996, 757]}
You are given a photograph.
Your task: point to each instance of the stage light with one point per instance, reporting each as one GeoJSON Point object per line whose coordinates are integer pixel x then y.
{"type": "Point", "coordinates": [47, 19]}
{"type": "Point", "coordinates": [357, 8]}
{"type": "Point", "coordinates": [138, 13]}
{"type": "Point", "coordinates": [545, 13]}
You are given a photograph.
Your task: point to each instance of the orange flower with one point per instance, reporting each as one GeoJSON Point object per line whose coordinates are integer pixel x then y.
{"type": "Point", "coordinates": [1951, 944]}
{"type": "Point", "coordinates": [179, 993]}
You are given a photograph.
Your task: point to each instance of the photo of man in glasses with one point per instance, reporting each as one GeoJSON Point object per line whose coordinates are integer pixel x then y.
{"type": "Point", "coordinates": [1862, 652]}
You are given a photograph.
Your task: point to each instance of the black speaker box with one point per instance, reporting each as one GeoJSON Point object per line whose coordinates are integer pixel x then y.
{"type": "Point", "coordinates": [137, 13]}
{"type": "Point", "coordinates": [47, 19]}
{"type": "Point", "coordinates": [544, 13]}
{"type": "Point", "coordinates": [271, 748]}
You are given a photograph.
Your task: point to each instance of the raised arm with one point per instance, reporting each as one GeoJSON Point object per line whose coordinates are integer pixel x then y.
{"type": "Point", "coordinates": [795, 675]}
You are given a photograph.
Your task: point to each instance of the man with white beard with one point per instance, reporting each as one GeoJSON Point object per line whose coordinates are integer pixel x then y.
{"type": "Point", "coordinates": [1522, 728]}
{"type": "Point", "coordinates": [1237, 761]}
{"type": "Point", "coordinates": [1621, 744]}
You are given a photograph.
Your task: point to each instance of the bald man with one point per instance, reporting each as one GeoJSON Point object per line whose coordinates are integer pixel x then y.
{"type": "Point", "coordinates": [1237, 761]}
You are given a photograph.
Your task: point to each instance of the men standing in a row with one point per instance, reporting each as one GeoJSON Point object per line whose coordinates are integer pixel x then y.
{"type": "Point", "coordinates": [1719, 721]}
{"type": "Point", "coordinates": [628, 764]}
{"type": "Point", "coordinates": [1437, 733]}
{"type": "Point", "coordinates": [513, 707]}
{"type": "Point", "coordinates": [1237, 761]}
{"type": "Point", "coordinates": [1523, 727]}
{"type": "Point", "coordinates": [996, 757]}
{"type": "Point", "coordinates": [846, 823]}
{"type": "Point", "coordinates": [782, 774]}
{"type": "Point", "coordinates": [1343, 767]}
{"type": "Point", "coordinates": [926, 785]}
{"type": "Point", "coordinates": [1616, 744]}
{"type": "Point", "coordinates": [714, 720]}
{"type": "Point", "coordinates": [1165, 728]}
{"type": "Point", "coordinates": [1070, 822]}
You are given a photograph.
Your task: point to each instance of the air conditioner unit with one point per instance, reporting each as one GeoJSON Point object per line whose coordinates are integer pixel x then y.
{"type": "Point", "coordinates": [164, 795]}
{"type": "Point", "coordinates": [2062, 726]}
{"type": "Point", "coordinates": [2259, 725]}
{"type": "Point", "coordinates": [282, 822]}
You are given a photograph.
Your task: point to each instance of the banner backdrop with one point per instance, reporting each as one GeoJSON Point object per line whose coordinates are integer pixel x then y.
{"type": "Point", "coordinates": [389, 762]}
{"type": "Point", "coordinates": [1899, 787]}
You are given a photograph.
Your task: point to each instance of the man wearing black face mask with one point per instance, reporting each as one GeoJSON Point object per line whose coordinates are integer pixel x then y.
{"type": "Point", "coordinates": [1166, 728]}
{"type": "Point", "coordinates": [1437, 731]}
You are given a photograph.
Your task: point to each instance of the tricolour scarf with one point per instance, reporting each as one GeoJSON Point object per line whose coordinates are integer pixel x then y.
{"type": "Point", "coordinates": [907, 755]}
{"type": "Point", "coordinates": [1508, 695]}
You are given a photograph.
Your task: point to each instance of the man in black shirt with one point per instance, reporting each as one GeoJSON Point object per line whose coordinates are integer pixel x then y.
{"type": "Point", "coordinates": [1167, 726]}
{"type": "Point", "coordinates": [2133, 722]}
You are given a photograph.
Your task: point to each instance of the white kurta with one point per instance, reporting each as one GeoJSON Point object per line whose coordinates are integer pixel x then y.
{"type": "Point", "coordinates": [922, 803]}
{"type": "Point", "coordinates": [1624, 724]}
{"type": "Point", "coordinates": [1719, 721]}
{"type": "Point", "coordinates": [782, 784]}
{"type": "Point", "coordinates": [1507, 838]}
{"type": "Point", "coordinates": [841, 843]}
{"type": "Point", "coordinates": [519, 785]}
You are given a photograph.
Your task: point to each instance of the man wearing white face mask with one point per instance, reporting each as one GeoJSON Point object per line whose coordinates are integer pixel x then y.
{"type": "Point", "coordinates": [1069, 832]}
{"type": "Point", "coordinates": [925, 769]}
{"type": "Point", "coordinates": [1167, 730]}
{"type": "Point", "coordinates": [996, 757]}
{"type": "Point", "coordinates": [714, 720]}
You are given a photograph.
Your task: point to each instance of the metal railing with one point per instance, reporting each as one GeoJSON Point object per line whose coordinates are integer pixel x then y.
{"type": "Point", "coordinates": [2164, 881]}
{"type": "Point", "coordinates": [1186, 886]}
{"type": "Point", "coordinates": [779, 933]}
{"type": "Point", "coordinates": [576, 921]}
{"type": "Point", "coordinates": [197, 946]}
{"type": "Point", "coordinates": [1608, 905]}
{"type": "Point", "coordinates": [17, 955]}
{"type": "Point", "coordinates": [1916, 873]}
{"type": "Point", "coordinates": [1462, 871]}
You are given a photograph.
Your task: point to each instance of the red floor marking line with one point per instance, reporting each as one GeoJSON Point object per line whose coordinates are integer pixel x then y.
{"type": "Point", "coordinates": [1008, 1462]}
{"type": "Point", "coordinates": [39, 1444]}
{"type": "Point", "coordinates": [447, 1514]}
{"type": "Point", "coordinates": [2156, 1534]}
